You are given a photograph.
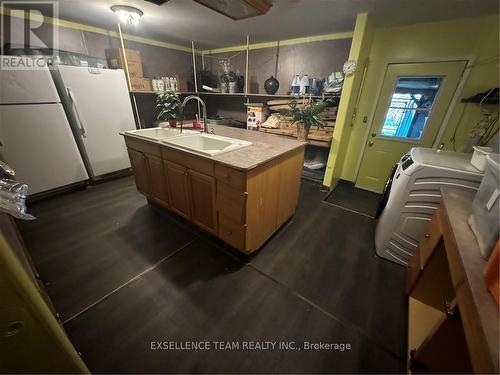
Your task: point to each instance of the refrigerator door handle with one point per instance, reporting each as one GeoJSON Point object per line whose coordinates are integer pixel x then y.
{"type": "Point", "coordinates": [74, 106]}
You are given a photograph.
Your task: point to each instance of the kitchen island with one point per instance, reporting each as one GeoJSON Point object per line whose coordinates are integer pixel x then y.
{"type": "Point", "coordinates": [242, 196]}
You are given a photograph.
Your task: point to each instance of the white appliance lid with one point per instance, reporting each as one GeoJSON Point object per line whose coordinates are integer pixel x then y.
{"type": "Point", "coordinates": [444, 159]}
{"type": "Point", "coordinates": [27, 86]}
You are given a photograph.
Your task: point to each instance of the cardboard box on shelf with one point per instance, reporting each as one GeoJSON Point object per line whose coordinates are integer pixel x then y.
{"type": "Point", "coordinates": [256, 115]}
{"type": "Point", "coordinates": [115, 61]}
{"type": "Point", "coordinates": [181, 83]}
{"type": "Point", "coordinates": [135, 69]}
{"type": "Point", "coordinates": [140, 84]}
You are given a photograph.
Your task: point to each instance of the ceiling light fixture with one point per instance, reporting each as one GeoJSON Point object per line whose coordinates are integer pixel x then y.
{"type": "Point", "coordinates": [127, 14]}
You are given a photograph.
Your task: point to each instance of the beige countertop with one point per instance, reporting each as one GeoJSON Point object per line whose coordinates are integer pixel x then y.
{"type": "Point", "coordinates": [264, 147]}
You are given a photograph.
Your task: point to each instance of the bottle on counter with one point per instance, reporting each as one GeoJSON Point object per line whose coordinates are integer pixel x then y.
{"type": "Point", "coordinates": [296, 85]}
{"type": "Point", "coordinates": [304, 85]}
{"type": "Point", "coordinates": [166, 82]}
{"type": "Point", "coordinates": [160, 84]}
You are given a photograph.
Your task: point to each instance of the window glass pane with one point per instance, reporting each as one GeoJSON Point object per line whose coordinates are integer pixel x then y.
{"type": "Point", "coordinates": [410, 107]}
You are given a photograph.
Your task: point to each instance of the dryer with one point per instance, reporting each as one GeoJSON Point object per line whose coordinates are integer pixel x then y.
{"type": "Point", "coordinates": [415, 195]}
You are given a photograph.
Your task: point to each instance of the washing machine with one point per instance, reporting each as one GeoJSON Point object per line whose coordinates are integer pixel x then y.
{"type": "Point", "coordinates": [413, 196]}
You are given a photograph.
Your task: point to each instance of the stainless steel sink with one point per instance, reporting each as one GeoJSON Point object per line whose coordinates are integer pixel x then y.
{"type": "Point", "coordinates": [207, 144]}
{"type": "Point", "coordinates": [158, 134]}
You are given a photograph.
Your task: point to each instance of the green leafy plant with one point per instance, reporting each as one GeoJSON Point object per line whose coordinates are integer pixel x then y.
{"type": "Point", "coordinates": [231, 76]}
{"type": "Point", "coordinates": [308, 113]}
{"type": "Point", "coordinates": [169, 104]}
{"type": "Point", "coordinates": [223, 77]}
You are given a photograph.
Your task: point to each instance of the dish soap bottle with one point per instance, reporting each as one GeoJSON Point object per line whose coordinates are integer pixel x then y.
{"type": "Point", "coordinates": [304, 85]}
{"type": "Point", "coordinates": [296, 85]}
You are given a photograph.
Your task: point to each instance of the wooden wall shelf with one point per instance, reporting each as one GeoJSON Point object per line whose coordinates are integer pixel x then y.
{"type": "Point", "coordinates": [319, 140]}
{"type": "Point", "coordinates": [242, 94]}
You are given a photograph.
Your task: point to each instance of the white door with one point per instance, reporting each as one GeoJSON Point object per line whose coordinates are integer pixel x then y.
{"type": "Point", "coordinates": [36, 141]}
{"type": "Point", "coordinates": [410, 110]}
{"type": "Point", "coordinates": [27, 86]}
{"type": "Point", "coordinates": [101, 104]}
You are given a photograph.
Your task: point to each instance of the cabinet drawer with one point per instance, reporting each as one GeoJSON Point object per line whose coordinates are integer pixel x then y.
{"type": "Point", "coordinates": [140, 145]}
{"type": "Point", "coordinates": [430, 239]}
{"type": "Point", "coordinates": [189, 161]}
{"type": "Point", "coordinates": [232, 233]}
{"type": "Point", "coordinates": [231, 176]}
{"type": "Point", "coordinates": [231, 202]}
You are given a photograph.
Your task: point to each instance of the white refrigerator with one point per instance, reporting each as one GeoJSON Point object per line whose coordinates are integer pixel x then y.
{"type": "Point", "coordinates": [98, 107]}
{"type": "Point", "coordinates": [35, 136]}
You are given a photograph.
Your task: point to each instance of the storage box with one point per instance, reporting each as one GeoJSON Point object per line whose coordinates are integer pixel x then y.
{"type": "Point", "coordinates": [115, 61]}
{"type": "Point", "coordinates": [255, 116]}
{"type": "Point", "coordinates": [182, 85]}
{"type": "Point", "coordinates": [485, 208]}
{"type": "Point", "coordinates": [140, 84]}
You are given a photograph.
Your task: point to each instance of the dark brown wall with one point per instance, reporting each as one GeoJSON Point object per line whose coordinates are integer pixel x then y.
{"type": "Point", "coordinates": [316, 59]}
{"type": "Point", "coordinates": [156, 61]}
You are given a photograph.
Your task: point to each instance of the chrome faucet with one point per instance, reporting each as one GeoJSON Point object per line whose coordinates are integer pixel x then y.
{"type": "Point", "coordinates": [204, 107]}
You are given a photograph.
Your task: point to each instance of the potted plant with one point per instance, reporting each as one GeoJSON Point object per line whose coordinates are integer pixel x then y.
{"type": "Point", "coordinates": [232, 78]}
{"type": "Point", "coordinates": [306, 115]}
{"type": "Point", "coordinates": [224, 76]}
{"type": "Point", "coordinates": [169, 104]}
{"type": "Point", "coordinates": [224, 82]}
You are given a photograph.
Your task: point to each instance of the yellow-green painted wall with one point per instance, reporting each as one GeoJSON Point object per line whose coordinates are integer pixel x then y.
{"type": "Point", "coordinates": [360, 48]}
{"type": "Point", "coordinates": [477, 38]}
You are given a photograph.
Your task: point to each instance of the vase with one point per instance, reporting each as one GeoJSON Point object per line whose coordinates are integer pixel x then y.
{"type": "Point", "coordinates": [224, 87]}
{"type": "Point", "coordinates": [271, 85]}
{"type": "Point", "coordinates": [302, 131]}
{"type": "Point", "coordinates": [232, 87]}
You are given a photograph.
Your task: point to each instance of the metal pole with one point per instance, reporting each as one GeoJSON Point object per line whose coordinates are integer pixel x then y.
{"type": "Point", "coordinates": [136, 109]}
{"type": "Point", "coordinates": [194, 68]}
{"type": "Point", "coordinates": [124, 56]}
{"type": "Point", "coordinates": [246, 67]}
{"type": "Point", "coordinates": [195, 78]}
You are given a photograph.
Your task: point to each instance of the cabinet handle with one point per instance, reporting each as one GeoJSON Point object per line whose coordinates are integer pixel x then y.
{"type": "Point", "coordinates": [450, 308]}
{"type": "Point", "coordinates": [427, 235]}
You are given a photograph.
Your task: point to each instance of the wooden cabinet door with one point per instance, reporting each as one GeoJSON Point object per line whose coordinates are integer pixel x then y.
{"type": "Point", "coordinates": [202, 197]}
{"type": "Point", "coordinates": [178, 188]}
{"type": "Point", "coordinates": [140, 167]}
{"type": "Point", "coordinates": [159, 188]}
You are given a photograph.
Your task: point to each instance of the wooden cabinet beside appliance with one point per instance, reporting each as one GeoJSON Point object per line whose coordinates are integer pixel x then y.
{"type": "Point", "coordinates": [452, 320]}
{"type": "Point", "coordinates": [241, 207]}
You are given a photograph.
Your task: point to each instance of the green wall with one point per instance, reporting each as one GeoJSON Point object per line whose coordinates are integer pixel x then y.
{"type": "Point", "coordinates": [476, 38]}
{"type": "Point", "coordinates": [360, 48]}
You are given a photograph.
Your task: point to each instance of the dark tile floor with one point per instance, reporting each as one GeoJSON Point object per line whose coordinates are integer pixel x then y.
{"type": "Point", "coordinates": [346, 195]}
{"type": "Point", "coordinates": [124, 274]}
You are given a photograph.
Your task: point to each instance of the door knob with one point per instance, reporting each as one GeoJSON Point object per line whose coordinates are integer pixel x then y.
{"type": "Point", "coordinates": [370, 144]}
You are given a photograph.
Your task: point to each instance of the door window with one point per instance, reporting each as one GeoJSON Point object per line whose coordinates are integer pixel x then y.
{"type": "Point", "coordinates": [410, 107]}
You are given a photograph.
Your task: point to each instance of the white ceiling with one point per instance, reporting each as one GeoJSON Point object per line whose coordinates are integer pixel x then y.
{"type": "Point", "coordinates": [180, 21]}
